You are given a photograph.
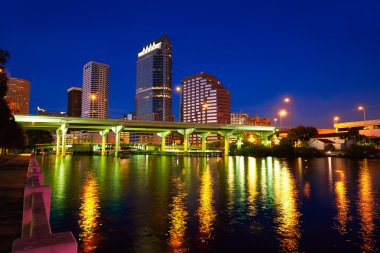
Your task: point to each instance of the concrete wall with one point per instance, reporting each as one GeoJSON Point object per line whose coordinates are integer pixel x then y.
{"type": "Point", "coordinates": [36, 236]}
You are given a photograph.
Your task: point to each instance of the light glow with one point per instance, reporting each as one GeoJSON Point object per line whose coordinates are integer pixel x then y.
{"type": "Point", "coordinates": [149, 48]}
{"type": "Point", "coordinates": [206, 212]}
{"type": "Point", "coordinates": [89, 214]}
{"type": "Point", "coordinates": [178, 218]}
{"type": "Point", "coordinates": [282, 113]}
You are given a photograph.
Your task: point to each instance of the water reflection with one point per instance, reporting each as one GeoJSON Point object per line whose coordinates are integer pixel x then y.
{"type": "Point", "coordinates": [366, 209]}
{"type": "Point", "coordinates": [288, 215]}
{"type": "Point", "coordinates": [342, 202]}
{"type": "Point", "coordinates": [206, 212]}
{"type": "Point", "coordinates": [252, 186]}
{"type": "Point", "coordinates": [89, 214]}
{"type": "Point", "coordinates": [178, 217]}
{"type": "Point", "coordinates": [190, 204]}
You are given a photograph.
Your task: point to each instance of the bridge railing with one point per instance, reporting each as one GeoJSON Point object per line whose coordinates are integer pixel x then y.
{"type": "Point", "coordinates": [36, 233]}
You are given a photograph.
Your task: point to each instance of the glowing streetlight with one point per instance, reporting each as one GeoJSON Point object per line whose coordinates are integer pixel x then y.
{"type": "Point", "coordinates": [361, 108]}
{"type": "Point", "coordinates": [336, 119]}
{"type": "Point", "coordinates": [288, 101]}
{"type": "Point", "coordinates": [275, 121]}
{"type": "Point", "coordinates": [282, 113]}
{"type": "Point", "coordinates": [178, 89]}
{"type": "Point", "coordinates": [93, 98]}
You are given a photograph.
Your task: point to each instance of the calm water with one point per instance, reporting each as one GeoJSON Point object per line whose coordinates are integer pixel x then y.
{"type": "Point", "coordinates": [181, 204]}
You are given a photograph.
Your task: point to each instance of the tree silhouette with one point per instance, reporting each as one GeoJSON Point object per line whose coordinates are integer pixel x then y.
{"type": "Point", "coordinates": [11, 133]}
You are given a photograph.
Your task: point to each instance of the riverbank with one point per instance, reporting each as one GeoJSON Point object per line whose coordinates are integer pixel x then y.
{"type": "Point", "coordinates": [13, 170]}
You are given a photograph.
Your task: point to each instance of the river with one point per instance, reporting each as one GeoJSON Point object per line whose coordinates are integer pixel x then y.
{"type": "Point", "coordinates": [151, 203]}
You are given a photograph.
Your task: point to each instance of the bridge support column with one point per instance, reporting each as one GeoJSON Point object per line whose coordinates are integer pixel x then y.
{"type": "Point", "coordinates": [264, 136]}
{"type": "Point", "coordinates": [186, 133]}
{"type": "Point", "coordinates": [104, 133]}
{"type": "Point", "coordinates": [64, 128]}
{"type": "Point", "coordinates": [58, 148]}
{"type": "Point", "coordinates": [226, 136]}
{"type": "Point", "coordinates": [239, 142]}
{"type": "Point", "coordinates": [204, 138]}
{"type": "Point", "coordinates": [117, 130]}
{"type": "Point", "coordinates": [163, 140]}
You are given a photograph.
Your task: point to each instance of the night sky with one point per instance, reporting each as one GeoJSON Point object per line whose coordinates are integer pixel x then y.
{"type": "Point", "coordinates": [325, 55]}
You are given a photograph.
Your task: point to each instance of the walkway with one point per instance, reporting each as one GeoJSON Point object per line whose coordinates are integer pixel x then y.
{"type": "Point", "coordinates": [12, 181]}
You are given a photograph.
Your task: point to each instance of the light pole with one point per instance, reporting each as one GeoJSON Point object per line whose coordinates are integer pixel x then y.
{"type": "Point", "coordinates": [336, 119]}
{"type": "Point", "coordinates": [361, 108]}
{"type": "Point", "coordinates": [287, 100]}
{"type": "Point", "coordinates": [282, 113]}
{"type": "Point", "coordinates": [93, 97]}
{"type": "Point", "coordinates": [178, 89]}
{"type": "Point", "coordinates": [275, 121]}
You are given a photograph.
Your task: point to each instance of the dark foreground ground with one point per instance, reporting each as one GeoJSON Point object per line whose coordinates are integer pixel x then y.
{"type": "Point", "coordinates": [12, 181]}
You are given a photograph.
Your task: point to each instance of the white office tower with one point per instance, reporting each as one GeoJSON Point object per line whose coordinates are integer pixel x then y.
{"type": "Point", "coordinates": [95, 90]}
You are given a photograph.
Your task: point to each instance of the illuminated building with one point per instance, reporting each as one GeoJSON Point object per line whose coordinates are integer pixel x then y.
{"type": "Point", "coordinates": [239, 118]}
{"type": "Point", "coordinates": [45, 112]}
{"type": "Point", "coordinates": [154, 81]}
{"type": "Point", "coordinates": [74, 103]}
{"type": "Point", "coordinates": [18, 95]}
{"type": "Point", "coordinates": [205, 100]}
{"type": "Point", "coordinates": [369, 128]}
{"type": "Point", "coordinates": [95, 90]}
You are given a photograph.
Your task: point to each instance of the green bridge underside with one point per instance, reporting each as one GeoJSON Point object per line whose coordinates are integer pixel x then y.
{"type": "Point", "coordinates": [62, 124]}
{"type": "Point", "coordinates": [52, 123]}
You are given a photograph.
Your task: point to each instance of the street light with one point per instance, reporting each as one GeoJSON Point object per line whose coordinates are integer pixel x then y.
{"type": "Point", "coordinates": [178, 89]}
{"type": "Point", "coordinates": [275, 121]}
{"type": "Point", "coordinates": [336, 119]}
{"type": "Point", "coordinates": [282, 113]}
{"type": "Point", "coordinates": [93, 97]}
{"type": "Point", "coordinates": [361, 108]}
{"type": "Point", "coordinates": [287, 100]}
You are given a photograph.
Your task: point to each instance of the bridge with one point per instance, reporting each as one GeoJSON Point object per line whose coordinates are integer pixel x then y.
{"type": "Point", "coordinates": [62, 124]}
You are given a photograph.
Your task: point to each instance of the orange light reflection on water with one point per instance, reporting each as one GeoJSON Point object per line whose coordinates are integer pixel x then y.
{"type": "Point", "coordinates": [252, 186]}
{"type": "Point", "coordinates": [342, 203]}
{"type": "Point", "coordinates": [206, 212]}
{"type": "Point", "coordinates": [177, 218]}
{"type": "Point", "coordinates": [287, 209]}
{"type": "Point", "coordinates": [366, 209]}
{"type": "Point", "coordinates": [89, 214]}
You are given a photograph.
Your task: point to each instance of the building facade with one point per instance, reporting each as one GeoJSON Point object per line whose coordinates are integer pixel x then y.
{"type": "Point", "coordinates": [95, 90]}
{"type": "Point", "coordinates": [44, 112]}
{"type": "Point", "coordinates": [18, 95]}
{"type": "Point", "coordinates": [239, 119]}
{"type": "Point", "coordinates": [74, 103]}
{"type": "Point", "coordinates": [205, 100]}
{"type": "Point", "coordinates": [154, 81]}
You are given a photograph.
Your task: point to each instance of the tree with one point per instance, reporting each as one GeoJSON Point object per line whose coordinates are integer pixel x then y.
{"type": "Point", "coordinates": [11, 133]}
{"type": "Point", "coordinates": [38, 137]}
{"type": "Point", "coordinates": [301, 134]}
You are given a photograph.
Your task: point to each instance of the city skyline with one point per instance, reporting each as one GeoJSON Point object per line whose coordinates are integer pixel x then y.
{"type": "Point", "coordinates": [323, 56]}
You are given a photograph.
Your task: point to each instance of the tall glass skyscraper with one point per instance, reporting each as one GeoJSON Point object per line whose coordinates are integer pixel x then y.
{"type": "Point", "coordinates": [95, 90]}
{"type": "Point", "coordinates": [154, 81]}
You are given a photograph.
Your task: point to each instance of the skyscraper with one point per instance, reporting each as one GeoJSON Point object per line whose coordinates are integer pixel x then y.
{"type": "Point", "coordinates": [154, 81]}
{"type": "Point", "coordinates": [95, 90]}
{"type": "Point", "coordinates": [74, 103]}
{"type": "Point", "coordinates": [18, 95]}
{"type": "Point", "coordinates": [205, 100]}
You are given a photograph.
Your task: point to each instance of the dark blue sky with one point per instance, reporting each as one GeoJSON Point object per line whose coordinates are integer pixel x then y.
{"type": "Point", "coordinates": [324, 54]}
